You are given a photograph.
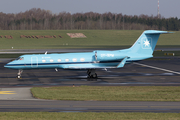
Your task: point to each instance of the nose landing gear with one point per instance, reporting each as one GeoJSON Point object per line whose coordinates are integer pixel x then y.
{"type": "Point", "coordinates": [19, 74]}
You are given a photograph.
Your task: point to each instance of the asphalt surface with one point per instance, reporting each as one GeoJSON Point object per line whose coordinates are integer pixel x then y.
{"type": "Point", "coordinates": [86, 106]}
{"type": "Point", "coordinates": [131, 74]}
{"type": "Point", "coordinates": [15, 93]}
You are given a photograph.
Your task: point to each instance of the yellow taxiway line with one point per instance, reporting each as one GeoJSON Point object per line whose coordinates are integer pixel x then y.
{"type": "Point", "coordinates": [7, 92]}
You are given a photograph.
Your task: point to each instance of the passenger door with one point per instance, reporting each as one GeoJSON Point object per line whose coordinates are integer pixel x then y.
{"type": "Point", "coordinates": [34, 62]}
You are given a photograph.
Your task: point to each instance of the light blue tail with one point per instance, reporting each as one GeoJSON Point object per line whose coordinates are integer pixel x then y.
{"type": "Point", "coordinates": [146, 43]}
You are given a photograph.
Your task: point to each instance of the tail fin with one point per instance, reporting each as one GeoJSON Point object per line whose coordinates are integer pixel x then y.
{"type": "Point", "coordinates": [146, 43]}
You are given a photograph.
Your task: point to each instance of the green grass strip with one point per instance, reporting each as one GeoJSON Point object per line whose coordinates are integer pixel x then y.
{"type": "Point", "coordinates": [109, 93]}
{"type": "Point", "coordinates": [95, 39]}
{"type": "Point", "coordinates": [87, 116]}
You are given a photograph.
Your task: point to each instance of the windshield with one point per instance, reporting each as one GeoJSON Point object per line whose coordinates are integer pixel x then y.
{"type": "Point", "coordinates": [20, 58]}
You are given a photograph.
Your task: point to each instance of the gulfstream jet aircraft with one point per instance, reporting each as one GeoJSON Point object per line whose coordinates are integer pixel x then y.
{"type": "Point", "coordinates": [142, 49]}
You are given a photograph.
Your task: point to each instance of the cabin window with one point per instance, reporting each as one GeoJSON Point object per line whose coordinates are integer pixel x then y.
{"type": "Point", "coordinates": [82, 59]}
{"type": "Point", "coordinates": [43, 61]}
{"type": "Point", "coordinates": [59, 60]}
{"type": "Point", "coordinates": [51, 60]}
{"type": "Point", "coordinates": [74, 59]}
{"type": "Point", "coordinates": [67, 60]}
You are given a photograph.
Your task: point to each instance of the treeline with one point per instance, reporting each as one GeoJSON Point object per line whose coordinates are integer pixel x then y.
{"type": "Point", "coordinates": [38, 19]}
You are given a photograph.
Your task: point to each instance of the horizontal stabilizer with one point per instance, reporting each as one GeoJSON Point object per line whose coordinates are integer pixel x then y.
{"type": "Point", "coordinates": [156, 32]}
{"type": "Point", "coordinates": [122, 63]}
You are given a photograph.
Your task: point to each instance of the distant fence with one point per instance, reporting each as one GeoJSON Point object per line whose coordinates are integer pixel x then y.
{"type": "Point", "coordinates": [40, 36]}
{"type": "Point", "coordinates": [7, 36]}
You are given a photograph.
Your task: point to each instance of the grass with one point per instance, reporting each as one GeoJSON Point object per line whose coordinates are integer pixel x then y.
{"type": "Point", "coordinates": [87, 116]}
{"type": "Point", "coordinates": [109, 93]}
{"type": "Point", "coordinates": [95, 39]}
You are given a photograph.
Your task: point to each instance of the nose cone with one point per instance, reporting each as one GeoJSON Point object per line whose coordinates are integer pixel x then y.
{"type": "Point", "coordinates": [15, 65]}
{"type": "Point", "coordinates": [8, 65]}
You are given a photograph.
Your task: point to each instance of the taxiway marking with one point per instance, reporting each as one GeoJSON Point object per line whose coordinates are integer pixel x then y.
{"type": "Point", "coordinates": [7, 92]}
{"type": "Point", "coordinates": [158, 68]}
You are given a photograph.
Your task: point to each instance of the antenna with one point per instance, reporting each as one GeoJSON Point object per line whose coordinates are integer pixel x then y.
{"type": "Point", "coordinates": [158, 8]}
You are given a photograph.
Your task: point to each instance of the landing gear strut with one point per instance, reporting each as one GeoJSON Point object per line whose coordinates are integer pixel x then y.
{"type": "Point", "coordinates": [19, 74]}
{"type": "Point", "coordinates": [91, 73]}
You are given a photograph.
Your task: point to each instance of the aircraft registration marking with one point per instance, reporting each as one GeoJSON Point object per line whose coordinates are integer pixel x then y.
{"type": "Point", "coordinates": [7, 92]}
{"type": "Point", "coordinates": [107, 55]}
{"type": "Point", "coordinates": [45, 57]}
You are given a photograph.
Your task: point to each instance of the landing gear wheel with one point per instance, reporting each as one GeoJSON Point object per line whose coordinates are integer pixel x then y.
{"type": "Point", "coordinates": [95, 75]}
{"type": "Point", "coordinates": [18, 77]}
{"type": "Point", "coordinates": [91, 73]}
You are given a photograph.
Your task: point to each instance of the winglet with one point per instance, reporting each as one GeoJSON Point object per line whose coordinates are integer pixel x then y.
{"type": "Point", "coordinates": [122, 63]}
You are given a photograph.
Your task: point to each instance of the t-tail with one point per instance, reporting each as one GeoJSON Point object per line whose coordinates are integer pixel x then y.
{"type": "Point", "coordinates": [146, 43]}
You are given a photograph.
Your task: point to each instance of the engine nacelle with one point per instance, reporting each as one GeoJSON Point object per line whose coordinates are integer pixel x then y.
{"type": "Point", "coordinates": [108, 55]}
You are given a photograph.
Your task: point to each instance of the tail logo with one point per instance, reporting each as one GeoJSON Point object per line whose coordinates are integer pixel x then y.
{"type": "Point", "coordinates": [146, 43]}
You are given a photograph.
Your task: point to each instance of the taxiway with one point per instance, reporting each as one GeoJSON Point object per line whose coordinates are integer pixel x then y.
{"type": "Point", "coordinates": [15, 93]}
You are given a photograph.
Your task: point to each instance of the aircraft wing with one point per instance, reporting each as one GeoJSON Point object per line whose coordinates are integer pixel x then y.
{"type": "Point", "coordinates": [85, 67]}
{"type": "Point", "coordinates": [121, 64]}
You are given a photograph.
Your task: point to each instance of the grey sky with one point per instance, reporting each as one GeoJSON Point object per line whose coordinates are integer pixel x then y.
{"type": "Point", "coordinates": [168, 8]}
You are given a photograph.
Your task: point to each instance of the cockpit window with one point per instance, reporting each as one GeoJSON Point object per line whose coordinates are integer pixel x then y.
{"type": "Point", "coordinates": [20, 58]}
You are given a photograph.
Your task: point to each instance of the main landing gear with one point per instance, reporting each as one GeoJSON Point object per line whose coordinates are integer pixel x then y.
{"type": "Point", "coordinates": [91, 73]}
{"type": "Point", "coordinates": [19, 74]}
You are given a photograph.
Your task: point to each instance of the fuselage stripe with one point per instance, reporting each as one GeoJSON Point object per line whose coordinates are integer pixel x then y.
{"type": "Point", "coordinates": [29, 64]}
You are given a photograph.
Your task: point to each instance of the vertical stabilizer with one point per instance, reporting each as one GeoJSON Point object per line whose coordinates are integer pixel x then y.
{"type": "Point", "coordinates": [146, 43]}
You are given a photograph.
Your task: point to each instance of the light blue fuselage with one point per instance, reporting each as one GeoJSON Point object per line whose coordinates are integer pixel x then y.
{"type": "Point", "coordinates": [73, 60]}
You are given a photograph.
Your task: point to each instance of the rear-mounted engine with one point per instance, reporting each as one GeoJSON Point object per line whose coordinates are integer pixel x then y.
{"type": "Point", "coordinates": [108, 55]}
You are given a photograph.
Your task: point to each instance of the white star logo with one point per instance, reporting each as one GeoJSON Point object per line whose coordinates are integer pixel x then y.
{"type": "Point", "coordinates": [146, 43]}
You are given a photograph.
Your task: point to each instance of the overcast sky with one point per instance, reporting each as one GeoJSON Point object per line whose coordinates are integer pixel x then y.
{"type": "Point", "coordinates": [168, 8]}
